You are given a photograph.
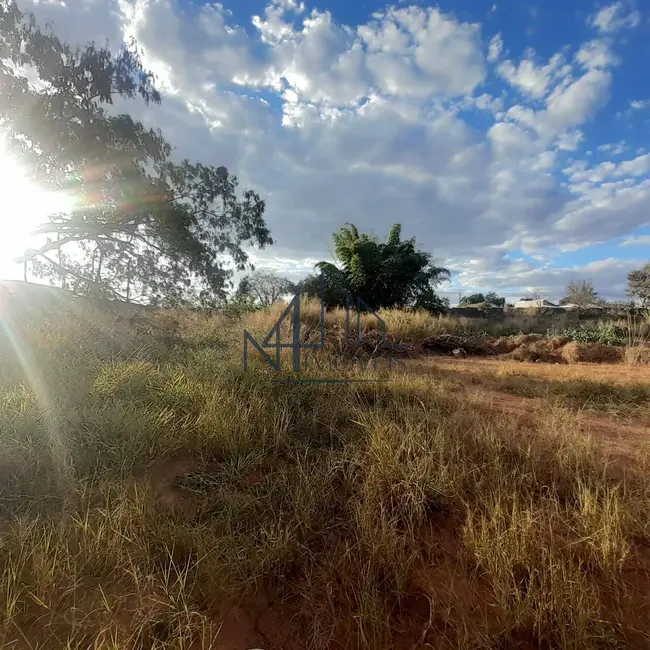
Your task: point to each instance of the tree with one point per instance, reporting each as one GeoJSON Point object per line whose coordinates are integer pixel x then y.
{"type": "Point", "coordinates": [537, 293]}
{"type": "Point", "coordinates": [328, 285]}
{"type": "Point", "coordinates": [581, 293]}
{"type": "Point", "coordinates": [472, 299]}
{"type": "Point", "coordinates": [638, 284]}
{"type": "Point", "coordinates": [495, 300]}
{"type": "Point", "coordinates": [140, 225]}
{"type": "Point", "coordinates": [430, 301]}
{"type": "Point", "coordinates": [391, 274]}
{"type": "Point", "coordinates": [491, 298]}
{"type": "Point", "coordinates": [265, 288]}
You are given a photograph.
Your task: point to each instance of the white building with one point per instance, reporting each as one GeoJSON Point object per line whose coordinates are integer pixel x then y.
{"type": "Point", "coordinates": [527, 303]}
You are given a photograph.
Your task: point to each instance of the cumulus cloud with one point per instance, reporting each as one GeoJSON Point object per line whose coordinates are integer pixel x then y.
{"type": "Point", "coordinates": [370, 123]}
{"type": "Point", "coordinates": [613, 18]}
{"type": "Point", "coordinates": [532, 79]}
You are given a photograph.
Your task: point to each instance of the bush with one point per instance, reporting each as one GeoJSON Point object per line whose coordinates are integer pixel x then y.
{"type": "Point", "coordinates": [604, 334]}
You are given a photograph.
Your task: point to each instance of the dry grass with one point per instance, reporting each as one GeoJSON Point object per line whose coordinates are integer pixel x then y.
{"type": "Point", "coordinates": [617, 390]}
{"type": "Point", "coordinates": [415, 326]}
{"type": "Point", "coordinates": [155, 495]}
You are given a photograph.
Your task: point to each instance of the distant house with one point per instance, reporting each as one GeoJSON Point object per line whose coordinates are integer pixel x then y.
{"type": "Point", "coordinates": [534, 303]}
{"type": "Point", "coordinates": [482, 305]}
{"type": "Point", "coordinates": [569, 306]}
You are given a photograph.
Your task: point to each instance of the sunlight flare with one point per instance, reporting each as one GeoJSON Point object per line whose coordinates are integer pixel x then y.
{"type": "Point", "coordinates": [24, 207]}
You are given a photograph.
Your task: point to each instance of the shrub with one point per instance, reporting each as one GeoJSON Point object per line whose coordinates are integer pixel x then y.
{"type": "Point", "coordinates": [604, 334]}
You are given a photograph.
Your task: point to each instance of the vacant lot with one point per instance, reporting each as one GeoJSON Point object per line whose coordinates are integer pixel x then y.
{"type": "Point", "coordinates": [155, 495]}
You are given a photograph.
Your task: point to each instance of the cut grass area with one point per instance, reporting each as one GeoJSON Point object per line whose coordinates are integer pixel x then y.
{"type": "Point", "coordinates": [155, 495]}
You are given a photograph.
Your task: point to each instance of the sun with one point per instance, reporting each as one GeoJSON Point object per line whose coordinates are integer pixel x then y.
{"type": "Point", "coordinates": [24, 207]}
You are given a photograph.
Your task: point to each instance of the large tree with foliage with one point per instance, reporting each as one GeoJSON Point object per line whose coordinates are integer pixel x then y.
{"type": "Point", "coordinates": [140, 224]}
{"type": "Point", "coordinates": [638, 284]}
{"type": "Point", "coordinates": [581, 293]}
{"type": "Point", "coordinates": [384, 274]}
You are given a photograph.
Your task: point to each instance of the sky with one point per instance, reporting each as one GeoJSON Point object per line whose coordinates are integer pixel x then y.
{"type": "Point", "coordinates": [510, 138]}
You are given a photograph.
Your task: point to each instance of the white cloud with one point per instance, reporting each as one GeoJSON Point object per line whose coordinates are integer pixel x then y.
{"type": "Point", "coordinates": [273, 28]}
{"type": "Point", "coordinates": [638, 240]}
{"type": "Point", "coordinates": [613, 18]}
{"type": "Point", "coordinates": [495, 48]}
{"type": "Point", "coordinates": [596, 54]}
{"type": "Point", "coordinates": [614, 149]}
{"type": "Point", "coordinates": [570, 140]}
{"type": "Point", "coordinates": [366, 123]}
{"type": "Point", "coordinates": [636, 167]}
{"type": "Point", "coordinates": [411, 52]}
{"type": "Point", "coordinates": [518, 277]}
{"type": "Point", "coordinates": [572, 105]}
{"type": "Point", "coordinates": [639, 104]}
{"type": "Point", "coordinates": [629, 169]}
{"type": "Point", "coordinates": [531, 79]}
{"type": "Point", "coordinates": [594, 175]}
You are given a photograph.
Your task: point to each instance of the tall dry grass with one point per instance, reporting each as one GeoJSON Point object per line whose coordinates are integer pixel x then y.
{"type": "Point", "coordinates": [415, 326]}
{"type": "Point", "coordinates": [155, 495]}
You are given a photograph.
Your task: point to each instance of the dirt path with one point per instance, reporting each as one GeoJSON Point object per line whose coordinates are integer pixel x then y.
{"type": "Point", "coordinates": [623, 436]}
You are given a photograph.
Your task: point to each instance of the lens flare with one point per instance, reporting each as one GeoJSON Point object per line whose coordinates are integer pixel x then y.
{"type": "Point", "coordinates": [25, 207]}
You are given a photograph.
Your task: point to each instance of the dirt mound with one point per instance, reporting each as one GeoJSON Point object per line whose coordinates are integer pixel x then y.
{"type": "Point", "coordinates": [541, 351]}
{"type": "Point", "coordinates": [575, 352]}
{"type": "Point", "coordinates": [529, 347]}
{"type": "Point", "coordinates": [558, 342]}
{"type": "Point", "coordinates": [504, 345]}
{"type": "Point", "coordinates": [524, 347]}
{"type": "Point", "coordinates": [526, 339]}
{"type": "Point", "coordinates": [447, 343]}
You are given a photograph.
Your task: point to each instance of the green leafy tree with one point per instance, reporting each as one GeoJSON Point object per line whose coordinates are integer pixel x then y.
{"type": "Point", "coordinates": [472, 299]}
{"type": "Point", "coordinates": [494, 299]}
{"type": "Point", "coordinates": [490, 298]}
{"type": "Point", "coordinates": [432, 302]}
{"type": "Point", "coordinates": [390, 274]}
{"type": "Point", "coordinates": [140, 225]}
{"type": "Point", "coordinates": [581, 293]}
{"type": "Point", "coordinates": [638, 283]}
{"type": "Point", "coordinates": [265, 288]}
{"type": "Point", "coordinates": [331, 287]}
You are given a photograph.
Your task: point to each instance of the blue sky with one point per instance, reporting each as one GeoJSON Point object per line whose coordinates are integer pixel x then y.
{"type": "Point", "coordinates": [509, 137]}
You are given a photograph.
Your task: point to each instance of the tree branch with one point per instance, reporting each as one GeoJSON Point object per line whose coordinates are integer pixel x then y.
{"type": "Point", "coordinates": [50, 246]}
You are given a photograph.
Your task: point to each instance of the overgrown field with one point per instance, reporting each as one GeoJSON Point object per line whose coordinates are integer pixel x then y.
{"type": "Point", "coordinates": [155, 495]}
